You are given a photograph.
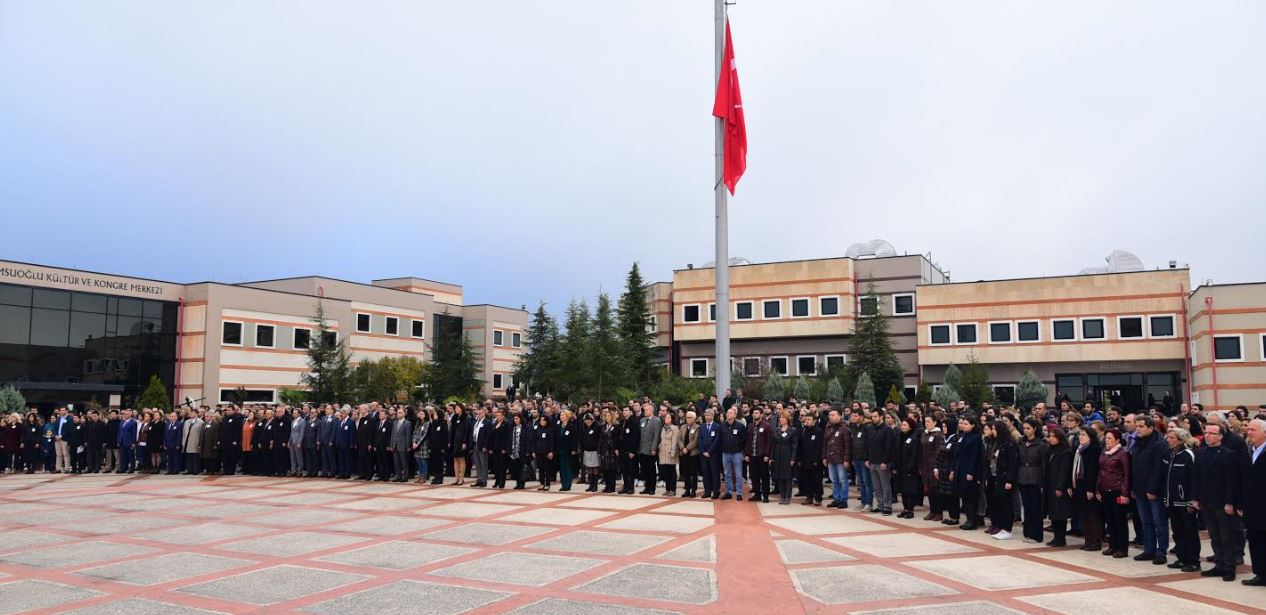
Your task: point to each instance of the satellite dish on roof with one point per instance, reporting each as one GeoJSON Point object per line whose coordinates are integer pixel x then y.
{"type": "Point", "coordinates": [875, 248]}
{"type": "Point", "coordinates": [734, 262]}
{"type": "Point", "coordinates": [1119, 261]}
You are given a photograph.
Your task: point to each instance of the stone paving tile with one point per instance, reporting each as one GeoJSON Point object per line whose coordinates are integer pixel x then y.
{"type": "Point", "coordinates": [164, 568]}
{"type": "Point", "coordinates": [292, 543]}
{"type": "Point", "coordinates": [201, 533]}
{"type": "Point", "coordinates": [558, 516]}
{"type": "Point", "coordinates": [194, 490]}
{"type": "Point", "coordinates": [526, 497]}
{"type": "Point", "coordinates": [148, 504]}
{"type": "Point", "coordinates": [487, 533]}
{"type": "Point", "coordinates": [9, 510]}
{"type": "Point", "coordinates": [688, 508]}
{"type": "Point", "coordinates": [139, 606]}
{"type": "Point", "coordinates": [657, 582]}
{"type": "Point", "coordinates": [20, 596]}
{"type": "Point", "coordinates": [801, 552]}
{"type": "Point", "coordinates": [127, 525]}
{"type": "Point", "coordinates": [825, 524]}
{"type": "Point", "coordinates": [902, 544]}
{"type": "Point", "coordinates": [999, 572]}
{"type": "Point", "coordinates": [226, 511]}
{"type": "Point", "coordinates": [559, 606]}
{"type": "Point", "coordinates": [1016, 543]}
{"type": "Point", "coordinates": [519, 568]}
{"type": "Point", "coordinates": [305, 498]}
{"type": "Point", "coordinates": [305, 516]}
{"type": "Point", "coordinates": [585, 542]}
{"type": "Point", "coordinates": [408, 598]}
{"type": "Point", "coordinates": [14, 540]}
{"type": "Point", "coordinates": [377, 488]}
{"type": "Point", "coordinates": [389, 525]}
{"type": "Point", "coordinates": [99, 499]}
{"type": "Point", "coordinates": [75, 554]}
{"type": "Point", "coordinates": [702, 550]}
{"type": "Point", "coordinates": [862, 583]}
{"type": "Point", "coordinates": [1094, 560]}
{"type": "Point", "coordinates": [59, 516]}
{"type": "Point", "coordinates": [377, 504]}
{"type": "Point", "coordinates": [777, 510]}
{"type": "Point", "coordinates": [245, 493]}
{"type": "Point", "coordinates": [397, 555]}
{"type": "Point", "coordinates": [468, 510]}
{"type": "Point", "coordinates": [613, 502]}
{"type": "Point", "coordinates": [447, 493]}
{"type": "Point", "coordinates": [1121, 601]}
{"type": "Point", "coordinates": [1217, 588]}
{"type": "Point", "coordinates": [647, 522]}
{"type": "Point", "coordinates": [272, 585]}
{"type": "Point", "coordinates": [957, 608]}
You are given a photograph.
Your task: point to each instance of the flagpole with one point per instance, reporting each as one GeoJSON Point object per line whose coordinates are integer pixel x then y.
{"type": "Point", "coordinates": [721, 363]}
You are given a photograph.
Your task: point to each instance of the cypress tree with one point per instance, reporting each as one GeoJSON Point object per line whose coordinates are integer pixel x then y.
{"type": "Point", "coordinates": [575, 369]}
{"type": "Point", "coordinates": [329, 375]}
{"type": "Point", "coordinates": [155, 395]}
{"type": "Point", "coordinates": [775, 388]}
{"type": "Point", "coordinates": [865, 390]}
{"type": "Point", "coordinates": [1030, 391]}
{"type": "Point", "coordinates": [871, 349]}
{"type": "Point", "coordinates": [538, 365]}
{"type": "Point", "coordinates": [634, 319]}
{"type": "Point", "coordinates": [975, 387]}
{"type": "Point", "coordinates": [604, 352]}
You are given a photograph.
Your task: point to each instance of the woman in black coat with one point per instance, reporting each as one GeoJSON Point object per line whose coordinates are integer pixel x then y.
{"type": "Point", "coordinates": [1004, 467]}
{"type": "Point", "coordinates": [544, 443]}
{"type": "Point", "coordinates": [786, 444]}
{"type": "Point", "coordinates": [438, 446]}
{"type": "Point", "coordinates": [459, 439]}
{"type": "Point", "coordinates": [521, 453]}
{"type": "Point", "coordinates": [32, 429]}
{"type": "Point", "coordinates": [1085, 486]}
{"type": "Point", "coordinates": [1057, 482]}
{"type": "Point", "coordinates": [969, 453]}
{"type": "Point", "coordinates": [943, 470]}
{"type": "Point", "coordinates": [908, 479]}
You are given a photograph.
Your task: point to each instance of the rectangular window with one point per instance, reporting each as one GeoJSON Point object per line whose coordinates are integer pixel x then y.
{"type": "Point", "coordinates": [249, 396]}
{"type": "Point", "coordinates": [743, 310]}
{"type": "Point", "coordinates": [393, 326]}
{"type": "Point", "coordinates": [799, 308]}
{"type": "Point", "coordinates": [751, 366]}
{"type": "Point", "coordinates": [265, 336]}
{"type": "Point", "coordinates": [15, 324]}
{"type": "Point", "coordinates": [806, 366]}
{"type": "Point", "coordinates": [868, 306]}
{"type": "Point", "coordinates": [302, 339]}
{"type": "Point", "coordinates": [771, 308]}
{"type": "Point", "coordinates": [712, 312]}
{"type": "Point", "coordinates": [516, 340]}
{"type": "Point", "coordinates": [1162, 326]}
{"type": "Point", "coordinates": [362, 323]}
{"type": "Point", "coordinates": [232, 334]}
{"type": "Point", "coordinates": [778, 364]}
{"type": "Point", "coordinates": [690, 313]}
{"type": "Point", "coordinates": [698, 368]}
{"type": "Point", "coordinates": [1005, 394]}
{"type": "Point", "coordinates": [496, 381]}
{"type": "Point", "coordinates": [1063, 330]}
{"type": "Point", "coordinates": [939, 335]}
{"type": "Point", "coordinates": [1129, 327]}
{"type": "Point", "coordinates": [50, 327]}
{"type": "Point", "coordinates": [999, 333]}
{"type": "Point", "coordinates": [835, 361]}
{"type": "Point", "coordinates": [1092, 329]}
{"type": "Point", "coordinates": [829, 306]}
{"type": "Point", "coordinates": [1028, 331]}
{"type": "Point", "coordinates": [965, 333]}
{"type": "Point", "coordinates": [497, 338]}
{"type": "Point", "coordinates": [418, 328]}
{"type": "Point", "coordinates": [903, 304]}
{"type": "Point", "coordinates": [653, 325]}
{"type": "Point", "coordinates": [330, 339]}
{"type": "Point", "coordinates": [1227, 348]}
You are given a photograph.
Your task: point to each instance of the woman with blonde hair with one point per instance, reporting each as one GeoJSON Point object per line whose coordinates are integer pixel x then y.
{"type": "Point", "coordinates": [1179, 488]}
{"type": "Point", "coordinates": [669, 454]}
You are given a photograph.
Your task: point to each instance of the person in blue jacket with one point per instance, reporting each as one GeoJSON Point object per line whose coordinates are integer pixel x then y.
{"type": "Point", "coordinates": [969, 455]}
{"type": "Point", "coordinates": [48, 447]}
{"type": "Point", "coordinates": [344, 441]}
{"type": "Point", "coordinates": [710, 454]}
{"type": "Point", "coordinates": [1148, 489]}
{"type": "Point", "coordinates": [171, 443]}
{"type": "Point", "coordinates": [127, 443]}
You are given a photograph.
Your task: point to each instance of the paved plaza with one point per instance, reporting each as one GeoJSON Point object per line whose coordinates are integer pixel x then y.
{"type": "Point", "coordinates": [141, 544]}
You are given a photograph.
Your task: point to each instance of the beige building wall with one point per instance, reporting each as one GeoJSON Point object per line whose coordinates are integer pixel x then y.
{"type": "Point", "coordinates": [442, 292]}
{"type": "Point", "coordinates": [1229, 315]}
{"type": "Point", "coordinates": [659, 302]}
{"type": "Point", "coordinates": [498, 336]}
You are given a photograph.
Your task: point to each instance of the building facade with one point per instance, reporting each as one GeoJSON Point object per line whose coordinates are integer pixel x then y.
{"type": "Point", "coordinates": [1228, 345]}
{"type": "Point", "coordinates": [71, 336]}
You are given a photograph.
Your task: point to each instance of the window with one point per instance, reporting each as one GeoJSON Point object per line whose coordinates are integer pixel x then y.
{"type": "Point", "coordinates": [1129, 327]}
{"type": "Point", "coordinates": [771, 308]}
{"type": "Point", "coordinates": [829, 306]}
{"type": "Point", "coordinates": [799, 308]}
{"type": "Point", "coordinates": [712, 312]}
{"type": "Point", "coordinates": [868, 306]}
{"type": "Point", "coordinates": [1063, 330]}
{"type": "Point", "coordinates": [939, 335]}
{"type": "Point", "coordinates": [751, 366]}
{"type": "Point", "coordinates": [248, 396]}
{"type": "Point", "coordinates": [1005, 394]}
{"type": "Point", "coordinates": [498, 338]}
{"type": "Point", "coordinates": [393, 326]}
{"type": "Point", "coordinates": [965, 333]}
{"type": "Point", "coordinates": [264, 335]}
{"type": "Point", "coordinates": [362, 323]}
{"type": "Point", "coordinates": [778, 364]}
{"type": "Point", "coordinates": [690, 313]}
{"type": "Point", "coordinates": [417, 328]}
{"type": "Point", "coordinates": [999, 333]}
{"type": "Point", "coordinates": [698, 368]}
{"type": "Point", "coordinates": [806, 366]}
{"type": "Point", "coordinates": [232, 333]}
{"type": "Point", "coordinates": [1162, 326]}
{"type": "Point", "coordinates": [1092, 329]}
{"type": "Point", "coordinates": [835, 361]}
{"type": "Point", "coordinates": [909, 393]}
{"type": "Point", "coordinates": [743, 310]}
{"type": "Point", "coordinates": [496, 381]}
{"type": "Point", "coordinates": [1028, 331]}
{"type": "Point", "coordinates": [903, 304]}
{"type": "Point", "coordinates": [330, 339]}
{"type": "Point", "coordinates": [516, 340]}
{"type": "Point", "coordinates": [302, 339]}
{"type": "Point", "coordinates": [653, 326]}
{"type": "Point", "coordinates": [1227, 348]}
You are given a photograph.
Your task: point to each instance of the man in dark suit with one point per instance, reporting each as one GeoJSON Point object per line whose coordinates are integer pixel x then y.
{"type": "Point", "coordinates": [756, 453]}
{"type": "Point", "coordinates": [230, 441]}
{"type": "Point", "coordinates": [382, 446]}
{"type": "Point", "coordinates": [327, 434]}
{"type": "Point", "coordinates": [94, 441]}
{"type": "Point", "coordinates": [629, 440]}
{"type": "Point", "coordinates": [344, 441]}
{"type": "Point", "coordinates": [1219, 495]}
{"type": "Point", "coordinates": [1255, 501]}
{"type": "Point", "coordinates": [480, 433]}
{"type": "Point", "coordinates": [173, 445]}
{"type": "Point", "coordinates": [127, 443]}
{"type": "Point", "coordinates": [400, 446]}
{"type": "Point", "coordinates": [366, 427]}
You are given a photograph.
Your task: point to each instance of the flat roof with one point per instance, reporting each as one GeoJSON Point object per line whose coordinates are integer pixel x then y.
{"type": "Point", "coordinates": [1053, 277]}
{"type": "Point", "coordinates": [825, 258]}
{"type": "Point", "coordinates": [414, 277]}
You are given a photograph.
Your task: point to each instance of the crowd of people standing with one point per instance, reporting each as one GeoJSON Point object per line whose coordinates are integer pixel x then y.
{"type": "Point", "coordinates": [1091, 472]}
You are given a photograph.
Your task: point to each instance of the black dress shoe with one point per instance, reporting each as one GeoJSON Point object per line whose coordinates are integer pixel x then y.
{"type": "Point", "coordinates": [1254, 582]}
{"type": "Point", "coordinates": [1191, 568]}
{"type": "Point", "coordinates": [1228, 577]}
{"type": "Point", "coordinates": [1212, 572]}
{"type": "Point", "coordinates": [1175, 565]}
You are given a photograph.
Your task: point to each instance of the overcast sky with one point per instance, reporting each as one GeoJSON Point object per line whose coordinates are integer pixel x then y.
{"type": "Point", "coordinates": [533, 150]}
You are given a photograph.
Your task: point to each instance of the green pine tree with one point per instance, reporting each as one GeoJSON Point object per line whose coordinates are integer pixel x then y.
{"type": "Point", "coordinates": [923, 394]}
{"type": "Point", "coordinates": [1030, 391]}
{"type": "Point", "coordinates": [946, 396]}
{"type": "Point", "coordinates": [329, 375]}
{"type": "Point", "coordinates": [604, 352]}
{"type": "Point", "coordinates": [895, 396]}
{"type": "Point", "coordinates": [871, 348]}
{"type": "Point", "coordinates": [801, 391]}
{"type": "Point", "coordinates": [775, 388]}
{"type": "Point", "coordinates": [953, 377]}
{"type": "Point", "coordinates": [975, 388]}
{"type": "Point", "coordinates": [538, 365]}
{"type": "Point", "coordinates": [11, 401]}
{"type": "Point", "coordinates": [865, 391]}
{"type": "Point", "coordinates": [835, 392]}
{"type": "Point", "coordinates": [155, 395]}
{"type": "Point", "coordinates": [575, 374]}
{"type": "Point", "coordinates": [634, 320]}
{"type": "Point", "coordinates": [454, 370]}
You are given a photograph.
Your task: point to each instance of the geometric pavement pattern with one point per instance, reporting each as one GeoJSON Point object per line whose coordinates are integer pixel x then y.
{"type": "Point", "coordinates": [153, 544]}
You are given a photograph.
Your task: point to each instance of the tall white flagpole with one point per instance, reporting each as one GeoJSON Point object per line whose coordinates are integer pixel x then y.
{"type": "Point", "coordinates": [721, 364]}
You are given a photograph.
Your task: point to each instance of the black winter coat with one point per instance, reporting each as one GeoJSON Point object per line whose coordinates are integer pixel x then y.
{"type": "Point", "coordinates": [544, 441]}
{"type": "Point", "coordinates": [786, 448]}
{"type": "Point", "coordinates": [1058, 476]}
{"type": "Point", "coordinates": [1089, 481]}
{"type": "Point", "coordinates": [908, 478]}
{"type": "Point", "coordinates": [1180, 477]}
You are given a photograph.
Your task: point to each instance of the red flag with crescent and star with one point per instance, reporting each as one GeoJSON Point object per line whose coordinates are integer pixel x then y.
{"type": "Point", "coordinates": [729, 108]}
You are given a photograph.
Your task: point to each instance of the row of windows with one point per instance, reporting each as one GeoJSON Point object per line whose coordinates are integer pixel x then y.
{"type": "Point", "coordinates": [772, 309]}
{"type": "Point", "coordinates": [266, 336]}
{"type": "Point", "coordinates": [1230, 348]}
{"type": "Point", "coordinates": [806, 365]}
{"type": "Point", "coordinates": [498, 339]}
{"type": "Point", "coordinates": [1061, 330]}
{"type": "Point", "coordinates": [391, 325]}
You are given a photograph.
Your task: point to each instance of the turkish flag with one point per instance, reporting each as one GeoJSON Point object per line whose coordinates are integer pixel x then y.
{"type": "Point", "coordinates": [729, 107]}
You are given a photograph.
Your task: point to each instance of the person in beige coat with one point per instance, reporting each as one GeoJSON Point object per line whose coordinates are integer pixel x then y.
{"type": "Point", "coordinates": [690, 455]}
{"type": "Point", "coordinates": [669, 454]}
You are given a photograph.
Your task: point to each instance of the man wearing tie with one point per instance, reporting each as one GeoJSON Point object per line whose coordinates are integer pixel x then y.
{"type": "Point", "coordinates": [230, 441]}
{"type": "Point", "coordinates": [479, 442]}
{"type": "Point", "coordinates": [1255, 501]}
{"type": "Point", "coordinates": [127, 443]}
{"type": "Point", "coordinates": [345, 440]}
{"type": "Point", "coordinates": [327, 436]}
{"type": "Point", "coordinates": [298, 427]}
{"type": "Point", "coordinates": [401, 442]}
{"type": "Point", "coordinates": [172, 443]}
{"type": "Point", "coordinates": [61, 429]}
{"type": "Point", "coordinates": [192, 442]}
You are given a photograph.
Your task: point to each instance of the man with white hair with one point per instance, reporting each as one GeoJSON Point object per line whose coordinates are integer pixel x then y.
{"type": "Point", "coordinates": [1255, 501]}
